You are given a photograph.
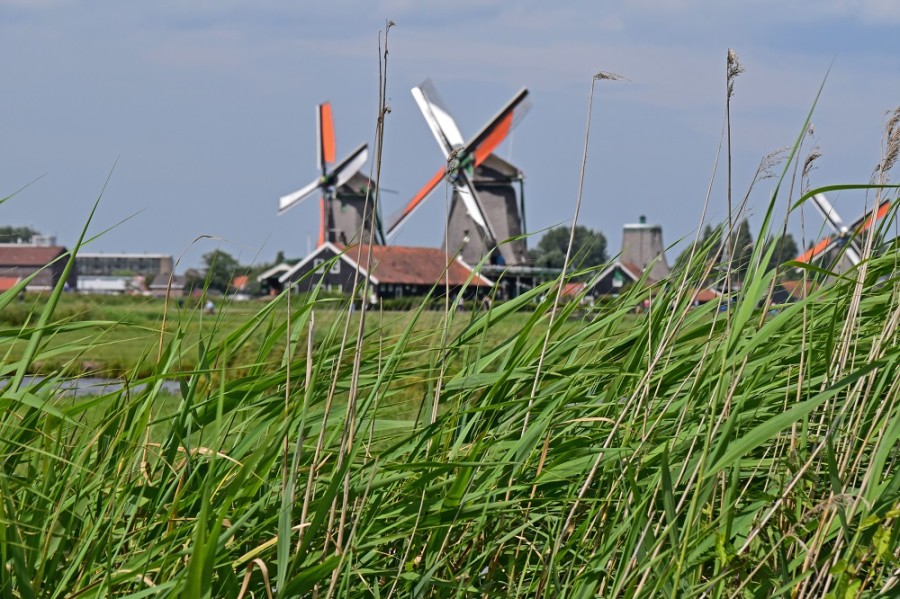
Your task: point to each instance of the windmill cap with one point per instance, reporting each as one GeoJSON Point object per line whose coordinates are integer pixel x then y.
{"type": "Point", "coordinates": [642, 224]}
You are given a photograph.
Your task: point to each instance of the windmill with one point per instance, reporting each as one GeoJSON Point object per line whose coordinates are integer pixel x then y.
{"type": "Point", "coordinates": [484, 210]}
{"type": "Point", "coordinates": [847, 237]}
{"type": "Point", "coordinates": [343, 188]}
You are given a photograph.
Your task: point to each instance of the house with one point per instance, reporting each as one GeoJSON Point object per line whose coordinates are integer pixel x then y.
{"type": "Point", "coordinates": [110, 285]}
{"type": "Point", "coordinates": [166, 284]}
{"type": "Point", "coordinates": [396, 271]}
{"type": "Point", "coordinates": [615, 277]}
{"type": "Point", "coordinates": [45, 262]}
{"type": "Point", "coordinates": [791, 291]}
{"type": "Point", "coordinates": [121, 264]}
{"type": "Point", "coordinates": [269, 280]}
{"type": "Point", "coordinates": [702, 296]}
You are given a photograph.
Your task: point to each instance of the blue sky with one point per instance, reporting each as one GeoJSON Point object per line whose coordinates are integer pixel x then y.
{"type": "Point", "coordinates": [206, 108]}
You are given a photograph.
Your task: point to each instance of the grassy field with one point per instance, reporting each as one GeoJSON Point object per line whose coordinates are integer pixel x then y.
{"type": "Point", "coordinates": [114, 336]}
{"type": "Point", "coordinates": [681, 452]}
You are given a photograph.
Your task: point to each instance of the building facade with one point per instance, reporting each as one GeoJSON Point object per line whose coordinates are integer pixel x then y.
{"type": "Point", "coordinates": [45, 264]}
{"type": "Point", "coordinates": [112, 264]}
{"type": "Point", "coordinates": [396, 271]}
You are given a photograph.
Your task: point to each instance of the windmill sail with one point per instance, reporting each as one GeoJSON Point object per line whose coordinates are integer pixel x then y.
{"type": "Point", "coordinates": [464, 160]}
{"type": "Point", "coordinates": [843, 235]}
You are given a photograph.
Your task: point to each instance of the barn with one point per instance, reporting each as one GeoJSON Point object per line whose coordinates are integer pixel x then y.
{"type": "Point", "coordinates": [396, 271]}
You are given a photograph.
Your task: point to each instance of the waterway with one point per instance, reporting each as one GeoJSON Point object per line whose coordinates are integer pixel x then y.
{"type": "Point", "coordinates": [85, 386]}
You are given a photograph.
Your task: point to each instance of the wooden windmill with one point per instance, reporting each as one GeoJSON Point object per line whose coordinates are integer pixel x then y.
{"type": "Point", "coordinates": [343, 190]}
{"type": "Point", "coordinates": [486, 208]}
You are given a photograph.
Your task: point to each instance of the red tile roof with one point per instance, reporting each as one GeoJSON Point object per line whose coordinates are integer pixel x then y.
{"type": "Point", "coordinates": [705, 295]}
{"type": "Point", "coordinates": [29, 255]}
{"type": "Point", "coordinates": [7, 283]}
{"type": "Point", "coordinates": [240, 281]}
{"type": "Point", "coordinates": [399, 265]}
{"type": "Point", "coordinates": [633, 269]}
{"type": "Point", "coordinates": [572, 289]}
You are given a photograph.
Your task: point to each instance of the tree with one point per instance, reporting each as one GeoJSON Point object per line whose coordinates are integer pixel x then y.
{"type": "Point", "coordinates": [711, 237]}
{"type": "Point", "coordinates": [785, 249]}
{"type": "Point", "coordinates": [588, 248]}
{"type": "Point", "coordinates": [221, 268]}
{"type": "Point", "coordinates": [16, 234]}
{"type": "Point", "coordinates": [743, 251]}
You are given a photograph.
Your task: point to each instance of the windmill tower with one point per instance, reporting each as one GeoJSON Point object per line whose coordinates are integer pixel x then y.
{"type": "Point", "coordinates": [485, 208]}
{"type": "Point", "coordinates": [641, 245]}
{"type": "Point", "coordinates": [495, 182]}
{"type": "Point", "coordinates": [343, 190]}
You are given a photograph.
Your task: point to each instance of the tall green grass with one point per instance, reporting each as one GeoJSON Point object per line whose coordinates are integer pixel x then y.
{"type": "Point", "coordinates": [694, 452]}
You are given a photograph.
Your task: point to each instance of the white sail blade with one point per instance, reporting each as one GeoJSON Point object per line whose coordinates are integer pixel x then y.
{"type": "Point", "coordinates": [829, 213]}
{"type": "Point", "coordinates": [439, 120]}
{"type": "Point", "coordinates": [851, 253]}
{"type": "Point", "coordinates": [292, 199]}
{"type": "Point", "coordinates": [350, 165]}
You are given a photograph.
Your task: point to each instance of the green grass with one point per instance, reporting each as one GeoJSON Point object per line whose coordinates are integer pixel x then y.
{"type": "Point", "coordinates": [682, 452]}
{"type": "Point", "coordinates": [690, 452]}
{"type": "Point", "coordinates": [119, 337]}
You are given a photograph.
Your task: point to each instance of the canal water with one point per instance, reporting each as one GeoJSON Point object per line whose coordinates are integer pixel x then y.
{"type": "Point", "coordinates": [83, 386]}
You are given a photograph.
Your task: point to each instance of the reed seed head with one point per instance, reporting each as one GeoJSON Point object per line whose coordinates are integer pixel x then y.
{"type": "Point", "coordinates": [733, 69]}
{"type": "Point", "coordinates": [813, 155]}
{"type": "Point", "coordinates": [892, 140]}
{"type": "Point", "coordinates": [604, 75]}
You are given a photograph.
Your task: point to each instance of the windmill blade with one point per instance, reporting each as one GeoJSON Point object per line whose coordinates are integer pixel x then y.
{"type": "Point", "coordinates": [350, 165]}
{"type": "Point", "coordinates": [292, 199]}
{"type": "Point", "coordinates": [861, 225]}
{"type": "Point", "coordinates": [325, 152]}
{"type": "Point", "coordinates": [817, 250]}
{"type": "Point", "coordinates": [417, 201]}
{"type": "Point", "coordinates": [438, 117]}
{"type": "Point", "coordinates": [824, 246]}
{"type": "Point", "coordinates": [868, 219]}
{"type": "Point", "coordinates": [853, 250]}
{"type": "Point", "coordinates": [470, 200]}
{"type": "Point", "coordinates": [829, 213]}
{"type": "Point", "coordinates": [498, 128]}
{"type": "Point", "coordinates": [323, 221]}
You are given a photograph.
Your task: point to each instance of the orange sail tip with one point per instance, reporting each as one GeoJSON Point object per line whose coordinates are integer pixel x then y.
{"type": "Point", "coordinates": [321, 222]}
{"type": "Point", "coordinates": [326, 132]}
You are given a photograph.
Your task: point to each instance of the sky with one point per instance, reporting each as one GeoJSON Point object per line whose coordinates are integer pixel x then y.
{"type": "Point", "coordinates": [189, 118]}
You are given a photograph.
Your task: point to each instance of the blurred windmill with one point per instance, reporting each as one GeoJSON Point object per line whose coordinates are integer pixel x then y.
{"type": "Point", "coordinates": [343, 189]}
{"type": "Point", "coordinates": [485, 209]}
{"type": "Point", "coordinates": [848, 239]}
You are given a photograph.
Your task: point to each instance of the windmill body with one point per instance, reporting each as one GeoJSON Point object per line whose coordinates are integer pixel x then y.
{"type": "Point", "coordinates": [346, 217]}
{"type": "Point", "coordinates": [344, 192]}
{"type": "Point", "coordinates": [495, 182]}
{"type": "Point", "coordinates": [485, 209]}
